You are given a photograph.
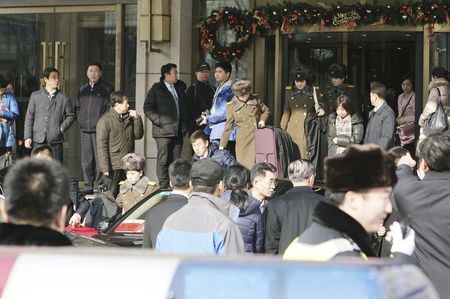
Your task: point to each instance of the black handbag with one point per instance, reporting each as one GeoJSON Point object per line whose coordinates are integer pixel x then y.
{"type": "Point", "coordinates": [437, 122]}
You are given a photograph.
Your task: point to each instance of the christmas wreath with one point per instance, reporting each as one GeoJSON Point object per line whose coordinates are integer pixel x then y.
{"type": "Point", "coordinates": [240, 22]}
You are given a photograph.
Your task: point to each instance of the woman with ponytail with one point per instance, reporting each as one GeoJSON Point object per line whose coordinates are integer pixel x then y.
{"type": "Point", "coordinates": [250, 220]}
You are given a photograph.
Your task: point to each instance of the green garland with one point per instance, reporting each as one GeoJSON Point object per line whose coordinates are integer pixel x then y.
{"type": "Point", "coordinates": [287, 15]}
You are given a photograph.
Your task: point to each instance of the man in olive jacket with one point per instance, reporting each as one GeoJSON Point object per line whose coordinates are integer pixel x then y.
{"type": "Point", "coordinates": [165, 108]}
{"type": "Point", "coordinates": [116, 132]}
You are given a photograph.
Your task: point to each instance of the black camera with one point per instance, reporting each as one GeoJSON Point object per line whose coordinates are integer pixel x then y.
{"type": "Point", "coordinates": [200, 119]}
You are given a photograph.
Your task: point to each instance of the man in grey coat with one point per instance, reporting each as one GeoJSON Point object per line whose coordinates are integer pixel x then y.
{"type": "Point", "coordinates": [381, 126]}
{"type": "Point", "coordinates": [49, 115]}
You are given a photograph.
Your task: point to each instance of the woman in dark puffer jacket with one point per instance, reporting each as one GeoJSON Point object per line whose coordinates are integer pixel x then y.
{"type": "Point", "coordinates": [250, 220]}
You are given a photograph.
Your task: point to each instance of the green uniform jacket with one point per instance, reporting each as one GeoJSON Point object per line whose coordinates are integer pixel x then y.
{"type": "Point", "coordinates": [332, 93]}
{"type": "Point", "coordinates": [115, 138]}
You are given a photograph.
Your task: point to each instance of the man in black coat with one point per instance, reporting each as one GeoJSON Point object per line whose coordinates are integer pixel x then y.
{"type": "Point", "coordinates": [36, 192]}
{"type": "Point", "coordinates": [164, 106]}
{"type": "Point", "coordinates": [291, 213]}
{"type": "Point", "coordinates": [426, 203]}
{"type": "Point", "coordinates": [199, 98]}
{"type": "Point", "coordinates": [179, 172]}
{"type": "Point", "coordinates": [92, 102]}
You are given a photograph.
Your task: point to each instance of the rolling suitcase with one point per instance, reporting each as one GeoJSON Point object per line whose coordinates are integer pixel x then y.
{"type": "Point", "coordinates": [266, 149]}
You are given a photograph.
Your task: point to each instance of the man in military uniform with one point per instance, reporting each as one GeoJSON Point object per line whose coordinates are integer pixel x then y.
{"type": "Point", "coordinates": [338, 73]}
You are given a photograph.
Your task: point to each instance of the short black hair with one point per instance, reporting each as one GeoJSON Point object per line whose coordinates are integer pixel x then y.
{"type": "Point", "coordinates": [165, 69]}
{"type": "Point", "coordinates": [198, 135]}
{"type": "Point", "coordinates": [398, 152]}
{"type": "Point", "coordinates": [117, 97]}
{"type": "Point", "coordinates": [94, 63]}
{"type": "Point", "coordinates": [43, 148]}
{"type": "Point", "coordinates": [179, 173]}
{"type": "Point", "coordinates": [435, 150]}
{"type": "Point", "coordinates": [407, 77]}
{"type": "Point", "coordinates": [35, 191]}
{"type": "Point", "coordinates": [259, 170]}
{"type": "Point", "coordinates": [225, 65]}
{"type": "Point", "coordinates": [46, 73]}
{"type": "Point", "coordinates": [439, 72]}
{"type": "Point", "coordinates": [380, 90]}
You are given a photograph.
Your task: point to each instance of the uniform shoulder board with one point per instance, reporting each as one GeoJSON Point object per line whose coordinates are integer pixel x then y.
{"type": "Point", "coordinates": [121, 182]}
{"type": "Point", "coordinates": [229, 103]}
{"type": "Point", "coordinates": [351, 85]}
{"type": "Point", "coordinates": [288, 87]}
{"type": "Point", "coordinates": [151, 183]}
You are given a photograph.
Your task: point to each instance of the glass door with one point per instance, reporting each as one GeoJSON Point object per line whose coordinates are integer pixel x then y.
{"type": "Point", "coordinates": [66, 38]}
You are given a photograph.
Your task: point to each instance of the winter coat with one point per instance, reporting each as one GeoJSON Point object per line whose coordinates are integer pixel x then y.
{"type": "Point", "coordinates": [298, 104]}
{"type": "Point", "coordinates": [332, 234]}
{"type": "Point", "coordinates": [48, 117]}
{"type": "Point", "coordinates": [92, 103]}
{"type": "Point", "coordinates": [129, 194]}
{"type": "Point", "coordinates": [245, 116]}
{"type": "Point", "coordinates": [433, 96]}
{"type": "Point", "coordinates": [115, 138]}
{"type": "Point", "coordinates": [216, 121]}
{"type": "Point", "coordinates": [158, 214]}
{"type": "Point", "coordinates": [288, 216]}
{"type": "Point", "coordinates": [222, 156]}
{"type": "Point", "coordinates": [344, 141]}
{"type": "Point", "coordinates": [381, 127]}
{"type": "Point", "coordinates": [427, 204]}
{"type": "Point", "coordinates": [161, 109]}
{"type": "Point", "coordinates": [200, 227]}
{"type": "Point", "coordinates": [251, 226]}
{"type": "Point", "coordinates": [29, 235]}
{"type": "Point", "coordinates": [77, 202]}
{"type": "Point", "coordinates": [9, 111]}
{"type": "Point", "coordinates": [199, 98]}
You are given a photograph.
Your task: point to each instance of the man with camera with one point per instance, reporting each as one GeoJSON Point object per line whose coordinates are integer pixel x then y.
{"type": "Point", "coordinates": [199, 98]}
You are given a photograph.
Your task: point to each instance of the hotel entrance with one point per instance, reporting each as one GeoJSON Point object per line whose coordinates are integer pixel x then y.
{"type": "Point", "coordinates": [391, 54]}
{"type": "Point", "coordinates": [66, 37]}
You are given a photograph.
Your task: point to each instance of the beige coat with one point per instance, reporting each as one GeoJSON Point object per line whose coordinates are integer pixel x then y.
{"type": "Point", "coordinates": [433, 96]}
{"type": "Point", "coordinates": [246, 116]}
{"type": "Point", "coordinates": [297, 105]}
{"type": "Point", "coordinates": [129, 194]}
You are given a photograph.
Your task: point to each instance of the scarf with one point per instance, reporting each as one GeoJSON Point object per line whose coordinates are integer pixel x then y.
{"type": "Point", "coordinates": [343, 128]}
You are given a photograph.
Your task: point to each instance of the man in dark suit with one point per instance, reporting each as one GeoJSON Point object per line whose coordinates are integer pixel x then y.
{"type": "Point", "coordinates": [164, 107]}
{"type": "Point", "coordinates": [179, 172]}
{"type": "Point", "coordinates": [426, 202]}
{"type": "Point", "coordinates": [381, 126]}
{"type": "Point", "coordinates": [291, 213]}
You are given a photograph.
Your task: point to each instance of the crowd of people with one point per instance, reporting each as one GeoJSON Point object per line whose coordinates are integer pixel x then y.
{"type": "Point", "coordinates": [376, 201]}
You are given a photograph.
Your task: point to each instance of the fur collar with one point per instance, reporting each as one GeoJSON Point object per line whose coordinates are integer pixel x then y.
{"type": "Point", "coordinates": [333, 217]}
{"type": "Point", "coordinates": [140, 186]}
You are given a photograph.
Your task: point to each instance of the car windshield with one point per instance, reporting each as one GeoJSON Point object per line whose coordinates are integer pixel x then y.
{"type": "Point", "coordinates": [134, 223]}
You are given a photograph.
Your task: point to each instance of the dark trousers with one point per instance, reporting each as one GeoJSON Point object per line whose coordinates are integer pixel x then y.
{"type": "Point", "coordinates": [113, 179]}
{"type": "Point", "coordinates": [89, 160]}
{"type": "Point", "coordinates": [56, 147]}
{"type": "Point", "coordinates": [187, 152]}
{"type": "Point", "coordinates": [169, 149]}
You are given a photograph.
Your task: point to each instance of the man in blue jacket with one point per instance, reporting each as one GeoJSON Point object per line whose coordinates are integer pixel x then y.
{"type": "Point", "coordinates": [216, 120]}
{"type": "Point", "coordinates": [201, 226]}
{"type": "Point", "coordinates": [203, 149]}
